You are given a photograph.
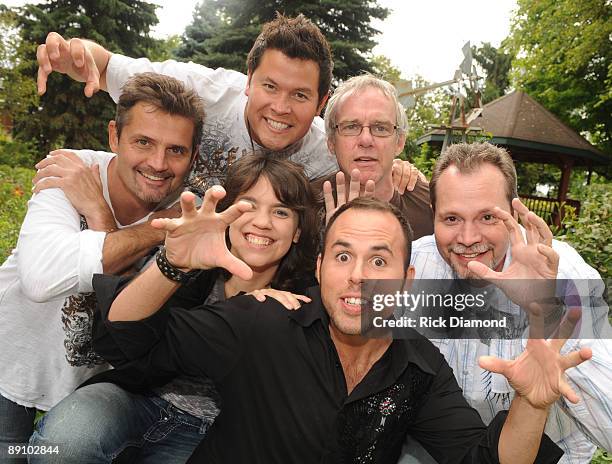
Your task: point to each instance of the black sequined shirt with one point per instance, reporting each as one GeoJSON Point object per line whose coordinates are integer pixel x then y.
{"type": "Point", "coordinates": [284, 392]}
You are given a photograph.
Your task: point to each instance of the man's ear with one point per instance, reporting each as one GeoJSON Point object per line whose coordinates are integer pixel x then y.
{"type": "Point", "coordinates": [322, 103]}
{"type": "Point", "coordinates": [318, 271]}
{"type": "Point", "coordinates": [247, 89]}
{"type": "Point", "coordinates": [401, 141]}
{"type": "Point", "coordinates": [409, 277]}
{"type": "Point", "coordinates": [330, 145]}
{"type": "Point", "coordinates": [113, 138]}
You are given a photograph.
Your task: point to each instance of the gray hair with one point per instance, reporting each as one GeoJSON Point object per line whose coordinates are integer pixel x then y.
{"type": "Point", "coordinates": [355, 85]}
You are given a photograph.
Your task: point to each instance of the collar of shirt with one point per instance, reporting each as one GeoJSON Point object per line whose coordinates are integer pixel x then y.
{"type": "Point", "coordinates": [400, 353]}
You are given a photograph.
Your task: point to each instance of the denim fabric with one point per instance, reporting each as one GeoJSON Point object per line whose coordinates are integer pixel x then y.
{"type": "Point", "coordinates": [100, 422]}
{"type": "Point", "coordinates": [16, 426]}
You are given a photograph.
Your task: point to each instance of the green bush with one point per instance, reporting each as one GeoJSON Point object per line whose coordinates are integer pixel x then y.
{"type": "Point", "coordinates": [590, 232]}
{"type": "Point", "coordinates": [15, 191]}
{"type": "Point", "coordinates": [14, 152]}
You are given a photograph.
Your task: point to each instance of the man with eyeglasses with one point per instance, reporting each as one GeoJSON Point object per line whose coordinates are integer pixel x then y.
{"type": "Point", "coordinates": [366, 129]}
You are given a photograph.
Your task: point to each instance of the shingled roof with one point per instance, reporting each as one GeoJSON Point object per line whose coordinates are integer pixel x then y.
{"type": "Point", "coordinates": [530, 132]}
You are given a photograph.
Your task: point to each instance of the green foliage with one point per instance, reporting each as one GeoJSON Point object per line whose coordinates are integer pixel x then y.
{"type": "Point", "coordinates": [431, 108]}
{"type": "Point", "coordinates": [163, 49]}
{"type": "Point", "coordinates": [65, 116]}
{"type": "Point", "coordinates": [496, 64]}
{"type": "Point", "coordinates": [425, 159]}
{"type": "Point", "coordinates": [223, 31]}
{"type": "Point", "coordinates": [16, 153]}
{"type": "Point", "coordinates": [382, 67]}
{"type": "Point", "coordinates": [532, 175]}
{"type": "Point", "coordinates": [15, 191]}
{"type": "Point", "coordinates": [590, 232]}
{"type": "Point", "coordinates": [564, 60]}
{"type": "Point", "coordinates": [17, 92]}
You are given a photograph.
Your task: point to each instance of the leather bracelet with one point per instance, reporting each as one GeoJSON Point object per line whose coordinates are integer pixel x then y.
{"type": "Point", "coordinates": [171, 272]}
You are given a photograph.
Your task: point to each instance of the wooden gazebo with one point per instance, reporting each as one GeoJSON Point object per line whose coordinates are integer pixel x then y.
{"type": "Point", "coordinates": [531, 133]}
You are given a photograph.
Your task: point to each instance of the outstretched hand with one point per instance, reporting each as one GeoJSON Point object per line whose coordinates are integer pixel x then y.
{"type": "Point", "coordinates": [70, 57]}
{"type": "Point", "coordinates": [538, 374]}
{"type": "Point", "coordinates": [196, 240]}
{"type": "Point", "coordinates": [342, 195]}
{"type": "Point", "coordinates": [533, 259]}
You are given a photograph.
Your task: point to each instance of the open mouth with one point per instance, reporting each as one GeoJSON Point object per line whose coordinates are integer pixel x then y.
{"type": "Point", "coordinates": [277, 125]}
{"type": "Point", "coordinates": [258, 241]}
{"type": "Point", "coordinates": [354, 304]}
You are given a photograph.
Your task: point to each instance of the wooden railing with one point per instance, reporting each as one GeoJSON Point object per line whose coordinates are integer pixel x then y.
{"type": "Point", "coordinates": [549, 209]}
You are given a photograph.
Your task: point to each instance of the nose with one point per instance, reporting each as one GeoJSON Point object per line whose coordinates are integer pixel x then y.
{"type": "Point", "coordinates": [469, 234]}
{"type": "Point", "coordinates": [158, 160]}
{"type": "Point", "coordinates": [365, 138]}
{"type": "Point", "coordinates": [262, 219]}
{"type": "Point", "coordinates": [357, 275]}
{"type": "Point", "coordinates": [280, 104]}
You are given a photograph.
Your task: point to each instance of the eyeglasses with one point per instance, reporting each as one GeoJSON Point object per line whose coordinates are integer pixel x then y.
{"type": "Point", "coordinates": [353, 129]}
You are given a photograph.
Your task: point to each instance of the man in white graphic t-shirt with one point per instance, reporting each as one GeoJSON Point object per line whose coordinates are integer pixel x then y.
{"type": "Point", "coordinates": [90, 214]}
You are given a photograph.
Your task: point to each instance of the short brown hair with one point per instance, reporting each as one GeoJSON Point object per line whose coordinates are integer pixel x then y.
{"type": "Point", "coordinates": [166, 94]}
{"type": "Point", "coordinates": [468, 157]}
{"type": "Point", "coordinates": [297, 38]}
{"type": "Point", "coordinates": [373, 204]}
{"type": "Point", "coordinates": [292, 188]}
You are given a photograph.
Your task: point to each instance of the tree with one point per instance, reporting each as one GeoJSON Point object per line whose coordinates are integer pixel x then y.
{"type": "Point", "coordinates": [496, 63]}
{"type": "Point", "coordinates": [17, 94]}
{"type": "Point", "coordinates": [223, 31]}
{"type": "Point", "coordinates": [382, 67]}
{"type": "Point", "coordinates": [563, 58]}
{"type": "Point", "coordinates": [65, 116]}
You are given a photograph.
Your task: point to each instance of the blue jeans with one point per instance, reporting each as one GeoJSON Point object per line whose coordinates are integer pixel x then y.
{"type": "Point", "coordinates": [98, 422]}
{"type": "Point", "coordinates": [16, 426]}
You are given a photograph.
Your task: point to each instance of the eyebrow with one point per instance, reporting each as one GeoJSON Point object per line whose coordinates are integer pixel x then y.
{"type": "Point", "coordinates": [343, 244]}
{"type": "Point", "coordinates": [253, 200]}
{"type": "Point", "coordinates": [451, 212]}
{"type": "Point", "coordinates": [299, 89]}
{"type": "Point", "coordinates": [356, 120]}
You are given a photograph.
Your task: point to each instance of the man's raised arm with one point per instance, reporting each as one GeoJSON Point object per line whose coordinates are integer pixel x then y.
{"type": "Point", "coordinates": [83, 60]}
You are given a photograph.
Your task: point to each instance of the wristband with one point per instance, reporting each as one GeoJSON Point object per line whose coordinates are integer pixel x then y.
{"type": "Point", "coordinates": [171, 272]}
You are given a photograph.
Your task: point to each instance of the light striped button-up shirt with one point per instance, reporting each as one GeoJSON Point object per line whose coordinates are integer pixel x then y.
{"type": "Point", "coordinates": [576, 428]}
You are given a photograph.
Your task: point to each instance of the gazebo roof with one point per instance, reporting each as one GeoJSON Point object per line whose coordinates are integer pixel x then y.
{"type": "Point", "coordinates": [530, 132]}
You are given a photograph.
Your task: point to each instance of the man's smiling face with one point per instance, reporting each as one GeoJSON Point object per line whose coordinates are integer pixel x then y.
{"type": "Point", "coordinates": [283, 99]}
{"type": "Point", "coordinates": [465, 226]}
{"type": "Point", "coordinates": [154, 153]}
